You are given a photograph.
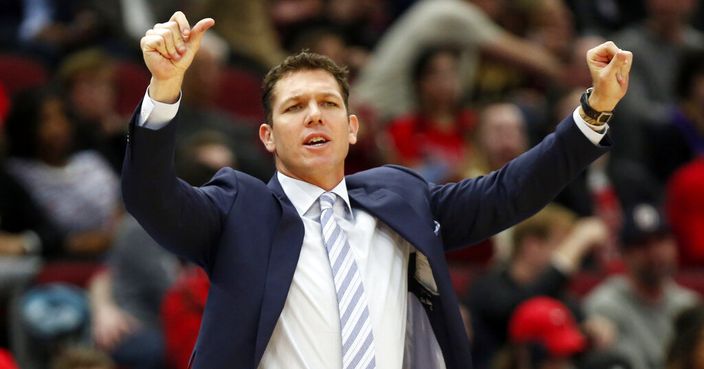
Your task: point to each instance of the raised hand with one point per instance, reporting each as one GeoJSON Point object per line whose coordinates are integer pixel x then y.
{"type": "Point", "coordinates": [609, 67]}
{"type": "Point", "coordinates": [168, 50]}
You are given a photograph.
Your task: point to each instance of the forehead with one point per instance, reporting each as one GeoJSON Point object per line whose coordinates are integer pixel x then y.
{"type": "Point", "coordinates": [305, 83]}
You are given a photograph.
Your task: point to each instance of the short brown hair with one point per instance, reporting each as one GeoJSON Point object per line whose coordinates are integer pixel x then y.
{"type": "Point", "coordinates": [304, 60]}
{"type": "Point", "coordinates": [541, 225]}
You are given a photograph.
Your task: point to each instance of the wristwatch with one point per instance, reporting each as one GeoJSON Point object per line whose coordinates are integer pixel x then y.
{"type": "Point", "coordinates": [597, 118]}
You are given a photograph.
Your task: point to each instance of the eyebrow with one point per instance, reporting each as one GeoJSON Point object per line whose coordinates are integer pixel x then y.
{"type": "Point", "coordinates": [298, 97]}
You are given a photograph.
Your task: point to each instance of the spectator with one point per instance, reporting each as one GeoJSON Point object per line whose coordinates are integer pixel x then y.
{"type": "Point", "coordinates": [434, 139]}
{"type": "Point", "coordinates": [239, 22]}
{"type": "Point", "coordinates": [605, 17]}
{"type": "Point", "coordinates": [546, 249]}
{"type": "Point", "coordinates": [643, 302]}
{"type": "Point", "coordinates": [198, 112]}
{"type": "Point", "coordinates": [25, 235]}
{"type": "Point", "coordinates": [609, 185]}
{"type": "Point", "coordinates": [125, 298]}
{"type": "Point", "coordinates": [501, 136]}
{"type": "Point", "coordinates": [182, 312]}
{"type": "Point", "coordinates": [543, 335]}
{"type": "Point", "coordinates": [329, 40]}
{"type": "Point", "coordinates": [685, 210]}
{"type": "Point", "coordinates": [87, 77]}
{"type": "Point", "coordinates": [361, 22]}
{"type": "Point", "coordinates": [385, 85]}
{"type": "Point", "coordinates": [50, 30]}
{"type": "Point", "coordinates": [547, 24]}
{"type": "Point", "coordinates": [657, 44]}
{"type": "Point", "coordinates": [682, 139]}
{"type": "Point", "coordinates": [76, 191]}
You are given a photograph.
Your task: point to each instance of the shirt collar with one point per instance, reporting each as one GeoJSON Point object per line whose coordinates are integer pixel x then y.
{"type": "Point", "coordinates": [303, 194]}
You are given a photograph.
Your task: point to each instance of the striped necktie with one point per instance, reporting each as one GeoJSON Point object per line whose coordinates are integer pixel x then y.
{"type": "Point", "coordinates": [355, 322]}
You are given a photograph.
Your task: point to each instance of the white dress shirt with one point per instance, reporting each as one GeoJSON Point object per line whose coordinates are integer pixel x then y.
{"type": "Point", "coordinates": [307, 334]}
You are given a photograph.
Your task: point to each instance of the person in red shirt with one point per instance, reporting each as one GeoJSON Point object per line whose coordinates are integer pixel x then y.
{"type": "Point", "coordinates": [433, 140]}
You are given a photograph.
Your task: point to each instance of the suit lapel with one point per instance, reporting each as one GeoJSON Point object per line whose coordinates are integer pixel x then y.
{"type": "Point", "coordinates": [285, 251]}
{"type": "Point", "coordinates": [393, 210]}
{"type": "Point", "coordinates": [389, 207]}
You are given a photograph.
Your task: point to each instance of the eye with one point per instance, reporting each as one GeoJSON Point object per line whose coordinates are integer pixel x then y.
{"type": "Point", "coordinates": [330, 104]}
{"type": "Point", "coordinates": [293, 108]}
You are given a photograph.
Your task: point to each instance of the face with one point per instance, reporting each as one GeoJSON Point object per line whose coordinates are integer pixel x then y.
{"type": "Point", "coordinates": [440, 83]}
{"type": "Point", "coordinates": [93, 94]}
{"type": "Point", "coordinates": [670, 10]}
{"type": "Point", "coordinates": [654, 262]}
{"type": "Point", "coordinates": [311, 131]}
{"type": "Point", "coordinates": [54, 131]}
{"type": "Point", "coordinates": [502, 134]}
{"type": "Point", "coordinates": [538, 252]}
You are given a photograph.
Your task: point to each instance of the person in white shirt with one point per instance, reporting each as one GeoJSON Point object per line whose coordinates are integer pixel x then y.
{"type": "Point", "coordinates": [319, 270]}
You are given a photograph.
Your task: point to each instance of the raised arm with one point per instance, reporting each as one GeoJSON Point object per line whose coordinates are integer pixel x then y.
{"type": "Point", "coordinates": [475, 209]}
{"type": "Point", "coordinates": [185, 219]}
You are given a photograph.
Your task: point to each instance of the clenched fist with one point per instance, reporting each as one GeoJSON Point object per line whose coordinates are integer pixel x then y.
{"type": "Point", "coordinates": [609, 67]}
{"type": "Point", "coordinates": [168, 50]}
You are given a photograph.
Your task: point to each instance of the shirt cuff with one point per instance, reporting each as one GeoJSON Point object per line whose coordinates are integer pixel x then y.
{"type": "Point", "coordinates": [156, 115]}
{"type": "Point", "coordinates": [593, 133]}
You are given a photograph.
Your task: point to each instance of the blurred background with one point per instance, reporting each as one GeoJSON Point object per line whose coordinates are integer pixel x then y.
{"type": "Point", "coordinates": [608, 276]}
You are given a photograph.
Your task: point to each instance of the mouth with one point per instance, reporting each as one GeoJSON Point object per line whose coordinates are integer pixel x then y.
{"type": "Point", "coordinates": [316, 141]}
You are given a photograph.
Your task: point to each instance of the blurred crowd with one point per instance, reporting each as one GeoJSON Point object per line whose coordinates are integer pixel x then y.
{"type": "Point", "coordinates": [608, 276]}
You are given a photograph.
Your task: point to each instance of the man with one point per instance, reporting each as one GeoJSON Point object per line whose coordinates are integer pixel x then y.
{"type": "Point", "coordinates": [385, 85]}
{"type": "Point", "coordinates": [277, 281]}
{"type": "Point", "coordinates": [660, 41]}
{"type": "Point", "coordinates": [643, 303]}
{"type": "Point", "coordinates": [546, 249]}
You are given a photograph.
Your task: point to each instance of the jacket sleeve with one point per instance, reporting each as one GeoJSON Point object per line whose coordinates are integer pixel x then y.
{"type": "Point", "coordinates": [474, 209]}
{"type": "Point", "coordinates": [186, 220]}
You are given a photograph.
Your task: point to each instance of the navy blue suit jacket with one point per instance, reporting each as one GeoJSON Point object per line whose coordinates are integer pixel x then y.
{"type": "Point", "coordinates": [247, 235]}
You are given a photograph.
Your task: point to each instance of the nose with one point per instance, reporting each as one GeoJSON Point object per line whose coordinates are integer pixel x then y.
{"type": "Point", "coordinates": [314, 114]}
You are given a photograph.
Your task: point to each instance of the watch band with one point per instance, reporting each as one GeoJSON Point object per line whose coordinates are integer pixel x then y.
{"type": "Point", "coordinates": [598, 118]}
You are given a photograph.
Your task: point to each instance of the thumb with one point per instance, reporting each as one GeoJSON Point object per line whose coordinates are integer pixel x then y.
{"type": "Point", "coordinates": [199, 29]}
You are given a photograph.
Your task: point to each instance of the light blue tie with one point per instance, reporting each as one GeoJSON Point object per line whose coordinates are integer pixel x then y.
{"type": "Point", "coordinates": [355, 322]}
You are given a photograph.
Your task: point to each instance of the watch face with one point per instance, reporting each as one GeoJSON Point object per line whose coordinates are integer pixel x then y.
{"type": "Point", "coordinates": [604, 117]}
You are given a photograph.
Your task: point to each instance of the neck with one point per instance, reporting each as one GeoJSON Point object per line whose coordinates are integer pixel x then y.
{"type": "Point", "coordinates": [326, 181]}
{"type": "Point", "coordinates": [439, 113]}
{"type": "Point", "coordinates": [53, 160]}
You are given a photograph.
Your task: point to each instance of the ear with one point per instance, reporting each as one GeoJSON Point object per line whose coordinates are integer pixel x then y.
{"type": "Point", "coordinates": [266, 135]}
{"type": "Point", "coordinates": [353, 128]}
